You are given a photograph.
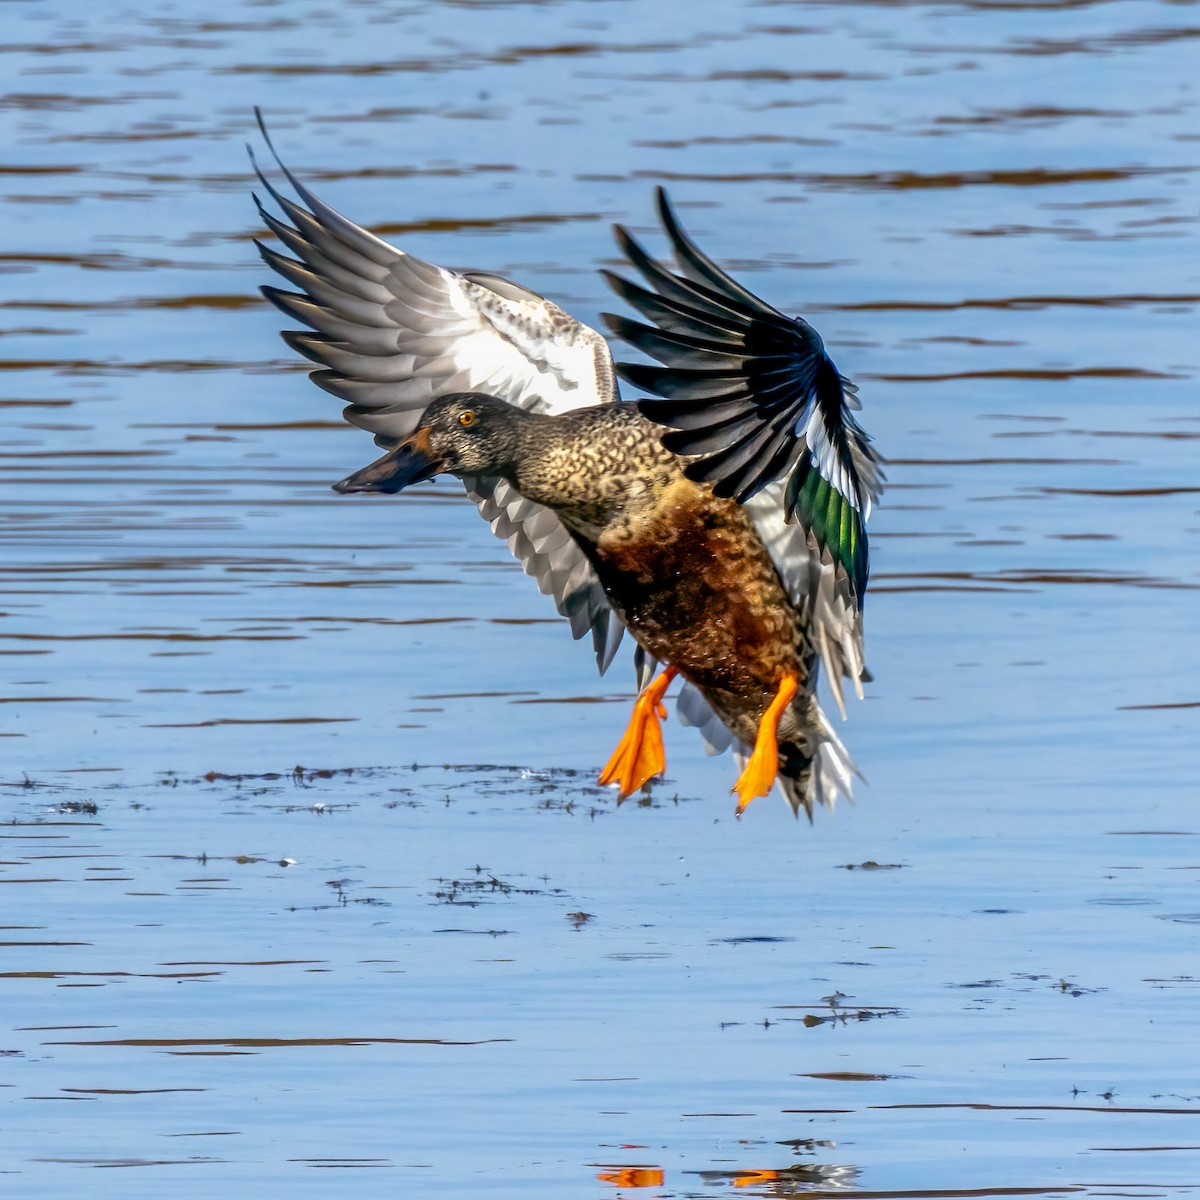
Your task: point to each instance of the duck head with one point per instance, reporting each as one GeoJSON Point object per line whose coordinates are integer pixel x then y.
{"type": "Point", "coordinates": [462, 433]}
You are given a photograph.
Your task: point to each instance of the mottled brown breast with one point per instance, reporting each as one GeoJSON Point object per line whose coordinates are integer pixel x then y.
{"type": "Point", "coordinates": [689, 573]}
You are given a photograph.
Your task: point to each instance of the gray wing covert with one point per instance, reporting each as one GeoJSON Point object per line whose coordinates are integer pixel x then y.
{"type": "Point", "coordinates": [389, 332]}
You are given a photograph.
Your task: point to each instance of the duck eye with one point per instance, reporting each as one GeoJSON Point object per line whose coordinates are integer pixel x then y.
{"type": "Point", "coordinates": [466, 419]}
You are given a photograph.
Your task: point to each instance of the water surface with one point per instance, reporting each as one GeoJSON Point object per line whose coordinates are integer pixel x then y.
{"type": "Point", "coordinates": [309, 882]}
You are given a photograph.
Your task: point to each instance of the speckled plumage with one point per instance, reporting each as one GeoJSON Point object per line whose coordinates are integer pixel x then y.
{"type": "Point", "coordinates": [686, 570]}
{"type": "Point", "coordinates": [723, 523]}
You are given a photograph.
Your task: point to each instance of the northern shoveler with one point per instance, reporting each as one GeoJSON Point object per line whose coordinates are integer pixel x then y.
{"type": "Point", "coordinates": [722, 524]}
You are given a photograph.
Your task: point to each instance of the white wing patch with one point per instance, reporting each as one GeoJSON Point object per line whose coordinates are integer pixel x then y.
{"type": "Point", "coordinates": [391, 332]}
{"type": "Point", "coordinates": [692, 709]}
{"type": "Point", "coordinates": [835, 625]}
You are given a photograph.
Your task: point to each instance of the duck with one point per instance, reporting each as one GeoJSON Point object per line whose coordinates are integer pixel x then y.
{"type": "Point", "coordinates": [720, 519]}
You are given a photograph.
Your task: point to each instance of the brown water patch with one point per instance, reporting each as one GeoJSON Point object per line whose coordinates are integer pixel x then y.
{"type": "Point", "coordinates": [132, 1091]}
{"type": "Point", "coordinates": [108, 974]}
{"type": "Point", "coordinates": [1103, 44]}
{"type": "Point", "coordinates": [499, 224]}
{"type": "Point", "coordinates": [207, 1133]}
{"type": "Point", "coordinates": [925, 181]}
{"type": "Point", "coordinates": [1017, 577]}
{"type": "Point", "coordinates": [992, 462]}
{"type": "Point", "coordinates": [50, 1028]}
{"type": "Point", "coordinates": [1020, 303]}
{"type": "Point", "coordinates": [1168, 435]}
{"type": "Point", "coordinates": [47, 943]}
{"type": "Point", "coordinates": [981, 1106]}
{"type": "Point", "coordinates": [430, 65]}
{"type": "Point", "coordinates": [111, 260]}
{"type": "Point", "coordinates": [1143, 1148]}
{"type": "Point", "coordinates": [169, 366]}
{"type": "Point", "coordinates": [130, 1162]}
{"type": "Point", "coordinates": [844, 1076]}
{"type": "Point", "coordinates": [1048, 113]}
{"type": "Point", "coordinates": [279, 1043]}
{"type": "Point", "coordinates": [344, 1163]}
{"type": "Point", "coordinates": [128, 637]}
{"type": "Point", "coordinates": [40, 169]}
{"type": "Point", "coordinates": [1162, 491]}
{"type": "Point", "coordinates": [469, 695]}
{"type": "Point", "coordinates": [944, 1193]}
{"type": "Point", "coordinates": [759, 139]}
{"type": "Point", "coordinates": [1041, 373]}
{"type": "Point", "coordinates": [138, 303]}
{"type": "Point", "coordinates": [68, 102]}
{"type": "Point", "coordinates": [215, 721]}
{"type": "Point", "coordinates": [266, 962]}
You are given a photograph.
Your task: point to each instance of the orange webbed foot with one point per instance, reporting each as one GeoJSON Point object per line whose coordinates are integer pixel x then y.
{"type": "Point", "coordinates": [759, 775]}
{"type": "Point", "coordinates": [639, 755]}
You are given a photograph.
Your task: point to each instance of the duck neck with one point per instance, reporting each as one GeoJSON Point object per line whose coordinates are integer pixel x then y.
{"type": "Point", "coordinates": [521, 453]}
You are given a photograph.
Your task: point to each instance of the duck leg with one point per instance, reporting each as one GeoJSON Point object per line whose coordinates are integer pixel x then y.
{"type": "Point", "coordinates": [639, 754]}
{"type": "Point", "coordinates": [759, 776]}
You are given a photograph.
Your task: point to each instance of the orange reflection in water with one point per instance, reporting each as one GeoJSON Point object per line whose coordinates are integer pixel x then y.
{"type": "Point", "coordinates": [748, 1178]}
{"type": "Point", "coordinates": [631, 1177]}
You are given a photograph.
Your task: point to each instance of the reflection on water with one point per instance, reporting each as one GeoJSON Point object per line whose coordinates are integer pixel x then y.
{"type": "Point", "coordinates": [801, 1180]}
{"type": "Point", "coordinates": [378, 962]}
{"type": "Point", "coordinates": [632, 1177]}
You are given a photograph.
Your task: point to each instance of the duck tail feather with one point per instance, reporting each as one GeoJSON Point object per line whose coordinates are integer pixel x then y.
{"type": "Point", "coordinates": [819, 774]}
{"type": "Point", "coordinates": [645, 667]}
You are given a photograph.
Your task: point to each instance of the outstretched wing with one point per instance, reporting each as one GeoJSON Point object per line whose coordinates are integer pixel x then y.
{"type": "Point", "coordinates": [752, 395]}
{"type": "Point", "coordinates": [390, 332]}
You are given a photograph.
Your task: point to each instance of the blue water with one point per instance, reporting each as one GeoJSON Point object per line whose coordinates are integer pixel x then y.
{"type": "Point", "coordinates": [989, 211]}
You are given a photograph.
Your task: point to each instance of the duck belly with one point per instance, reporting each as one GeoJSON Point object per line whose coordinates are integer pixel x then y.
{"type": "Point", "coordinates": [691, 578]}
